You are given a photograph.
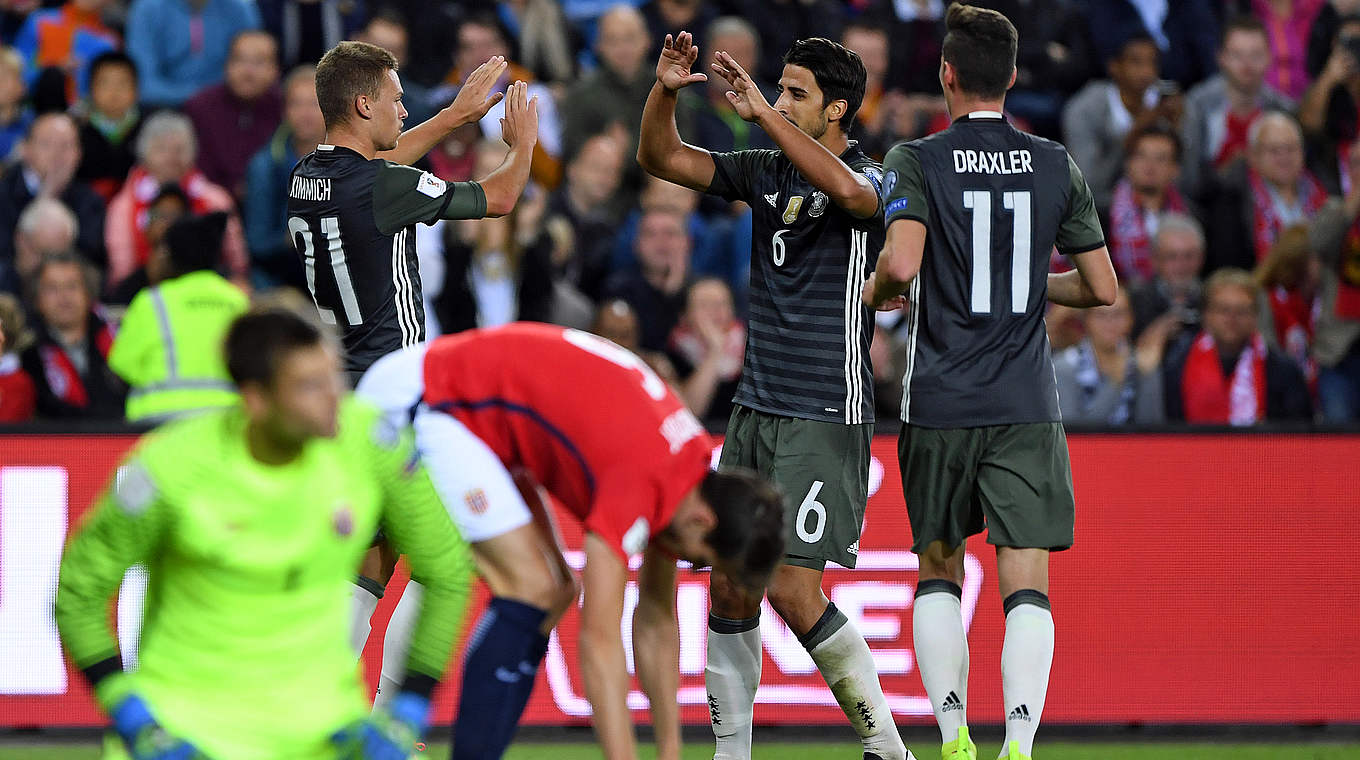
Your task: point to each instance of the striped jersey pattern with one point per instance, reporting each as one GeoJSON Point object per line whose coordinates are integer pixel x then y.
{"type": "Point", "coordinates": [807, 350]}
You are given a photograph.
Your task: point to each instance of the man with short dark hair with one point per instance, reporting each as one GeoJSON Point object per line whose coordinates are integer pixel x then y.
{"type": "Point", "coordinates": [234, 118]}
{"type": "Point", "coordinates": [638, 478]}
{"type": "Point", "coordinates": [353, 203]}
{"type": "Point", "coordinates": [803, 413]}
{"type": "Point", "coordinates": [972, 213]}
{"type": "Point", "coordinates": [1145, 192]}
{"type": "Point", "coordinates": [250, 521]}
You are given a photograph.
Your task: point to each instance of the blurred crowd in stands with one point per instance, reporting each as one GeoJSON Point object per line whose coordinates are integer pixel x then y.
{"type": "Point", "coordinates": [1218, 137]}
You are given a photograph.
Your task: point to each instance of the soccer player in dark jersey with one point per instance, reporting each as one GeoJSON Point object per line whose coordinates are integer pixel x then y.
{"type": "Point", "coordinates": [803, 412]}
{"type": "Point", "coordinates": [354, 202]}
{"type": "Point", "coordinates": [972, 214]}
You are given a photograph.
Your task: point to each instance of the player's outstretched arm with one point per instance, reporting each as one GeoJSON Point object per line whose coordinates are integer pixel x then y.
{"type": "Point", "coordinates": [656, 649]}
{"type": "Point", "coordinates": [1092, 283]}
{"type": "Point", "coordinates": [898, 265]}
{"type": "Point", "coordinates": [845, 187]}
{"type": "Point", "coordinates": [660, 150]}
{"type": "Point", "coordinates": [474, 99]}
{"type": "Point", "coordinates": [519, 129]}
{"type": "Point", "coordinates": [603, 665]}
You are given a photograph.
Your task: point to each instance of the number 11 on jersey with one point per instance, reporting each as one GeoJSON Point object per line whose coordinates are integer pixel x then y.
{"type": "Point", "coordinates": [1018, 203]}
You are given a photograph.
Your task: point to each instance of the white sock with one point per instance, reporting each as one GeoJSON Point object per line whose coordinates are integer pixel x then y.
{"type": "Point", "coordinates": [731, 677]}
{"type": "Point", "coordinates": [942, 653]}
{"type": "Point", "coordinates": [363, 603]}
{"type": "Point", "coordinates": [1025, 660]}
{"type": "Point", "coordinates": [397, 643]}
{"type": "Point", "coordinates": [845, 662]}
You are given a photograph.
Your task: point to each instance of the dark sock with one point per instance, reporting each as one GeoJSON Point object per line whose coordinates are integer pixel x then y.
{"type": "Point", "coordinates": [498, 676]}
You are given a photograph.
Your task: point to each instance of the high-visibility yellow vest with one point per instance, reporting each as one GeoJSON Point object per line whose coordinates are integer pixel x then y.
{"type": "Point", "coordinates": [169, 347]}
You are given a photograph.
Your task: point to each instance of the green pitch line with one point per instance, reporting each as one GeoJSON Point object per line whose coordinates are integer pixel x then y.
{"type": "Point", "coordinates": [818, 751]}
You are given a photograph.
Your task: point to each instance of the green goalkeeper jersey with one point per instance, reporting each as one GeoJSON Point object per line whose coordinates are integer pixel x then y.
{"type": "Point", "coordinates": [244, 648]}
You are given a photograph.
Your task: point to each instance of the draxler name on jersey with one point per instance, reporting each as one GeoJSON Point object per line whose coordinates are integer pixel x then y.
{"type": "Point", "coordinates": [993, 162]}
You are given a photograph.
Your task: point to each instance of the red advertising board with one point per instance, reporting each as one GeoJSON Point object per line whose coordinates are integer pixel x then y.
{"type": "Point", "coordinates": [1212, 581]}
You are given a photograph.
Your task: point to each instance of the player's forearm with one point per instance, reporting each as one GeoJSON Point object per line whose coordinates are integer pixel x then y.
{"type": "Point", "coordinates": [1069, 289]}
{"type": "Point", "coordinates": [656, 652]}
{"type": "Point", "coordinates": [605, 673]}
{"type": "Point", "coordinates": [847, 188]}
{"type": "Point", "coordinates": [421, 139]}
{"type": "Point", "coordinates": [659, 137]}
{"type": "Point", "coordinates": [504, 186]}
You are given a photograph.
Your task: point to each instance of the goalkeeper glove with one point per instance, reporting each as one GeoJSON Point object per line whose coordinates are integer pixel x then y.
{"type": "Point", "coordinates": [390, 733]}
{"type": "Point", "coordinates": [145, 738]}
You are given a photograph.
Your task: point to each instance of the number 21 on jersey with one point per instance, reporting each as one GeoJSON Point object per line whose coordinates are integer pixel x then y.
{"type": "Point", "coordinates": [1018, 203]}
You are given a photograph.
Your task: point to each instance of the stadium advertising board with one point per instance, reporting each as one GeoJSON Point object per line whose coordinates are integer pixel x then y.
{"type": "Point", "coordinates": [1212, 581]}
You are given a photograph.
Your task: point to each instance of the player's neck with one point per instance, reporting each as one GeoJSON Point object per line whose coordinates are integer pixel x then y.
{"type": "Point", "coordinates": [962, 105]}
{"type": "Point", "coordinates": [834, 140]}
{"type": "Point", "coordinates": [267, 448]}
{"type": "Point", "coordinates": [347, 138]}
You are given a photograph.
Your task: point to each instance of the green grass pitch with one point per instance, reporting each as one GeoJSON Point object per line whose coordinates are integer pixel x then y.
{"type": "Point", "coordinates": [1154, 750]}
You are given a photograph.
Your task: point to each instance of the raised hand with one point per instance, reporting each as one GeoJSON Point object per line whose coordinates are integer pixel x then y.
{"type": "Point", "coordinates": [475, 97]}
{"type": "Point", "coordinates": [744, 96]}
{"type": "Point", "coordinates": [675, 68]}
{"type": "Point", "coordinates": [520, 124]}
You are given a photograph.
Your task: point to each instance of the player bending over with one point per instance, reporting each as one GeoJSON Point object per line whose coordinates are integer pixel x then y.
{"type": "Point", "coordinates": [250, 522]}
{"type": "Point", "coordinates": [803, 413]}
{"type": "Point", "coordinates": [592, 425]}
{"type": "Point", "coordinates": [972, 214]}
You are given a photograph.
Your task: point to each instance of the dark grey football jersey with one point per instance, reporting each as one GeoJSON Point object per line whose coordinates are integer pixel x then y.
{"type": "Point", "coordinates": [352, 221]}
{"type": "Point", "coordinates": [807, 346]}
{"type": "Point", "coordinates": [995, 201]}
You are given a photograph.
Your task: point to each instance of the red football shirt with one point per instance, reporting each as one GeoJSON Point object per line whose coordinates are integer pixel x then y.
{"type": "Point", "coordinates": [592, 423]}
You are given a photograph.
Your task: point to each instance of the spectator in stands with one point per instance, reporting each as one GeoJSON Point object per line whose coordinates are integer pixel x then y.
{"type": "Point", "coordinates": [18, 397]}
{"type": "Point", "coordinates": [1259, 200]}
{"type": "Point", "coordinates": [917, 30]}
{"type": "Point", "coordinates": [1064, 327]}
{"type": "Point", "coordinates": [702, 114]}
{"type": "Point", "coordinates": [780, 23]}
{"type": "Point", "coordinates": [306, 29]}
{"type": "Point", "coordinates": [616, 90]}
{"type": "Point", "coordinates": [498, 270]}
{"type": "Point", "coordinates": [388, 30]}
{"type": "Point", "coordinates": [237, 117]}
{"type": "Point", "coordinates": [46, 227]}
{"type": "Point", "coordinates": [1145, 192]}
{"type": "Point", "coordinates": [1098, 119]}
{"type": "Point", "coordinates": [1107, 380]}
{"type": "Point", "coordinates": [66, 38]}
{"type": "Point", "coordinates": [273, 261]}
{"type": "Point", "coordinates": [1053, 61]}
{"type": "Point", "coordinates": [166, 152]}
{"type": "Point", "coordinates": [1287, 25]}
{"type": "Point", "coordinates": [1289, 279]}
{"type": "Point", "coordinates": [109, 125]}
{"type": "Point", "coordinates": [656, 291]}
{"type": "Point", "coordinates": [181, 46]}
{"type": "Point", "coordinates": [874, 117]}
{"type": "Point", "coordinates": [1228, 375]}
{"type": "Point", "coordinates": [706, 348]}
{"type": "Point", "coordinates": [1220, 110]}
{"type": "Point", "coordinates": [1174, 290]}
{"type": "Point", "coordinates": [583, 202]}
{"type": "Point", "coordinates": [674, 16]}
{"type": "Point", "coordinates": [46, 169]}
{"type": "Point", "coordinates": [480, 37]}
{"type": "Point", "coordinates": [1329, 113]}
{"type": "Point", "coordinates": [615, 320]}
{"type": "Point", "coordinates": [68, 358]}
{"type": "Point", "coordinates": [541, 38]}
{"type": "Point", "coordinates": [1185, 32]}
{"type": "Point", "coordinates": [1335, 239]}
{"type": "Point", "coordinates": [168, 349]}
{"type": "Point", "coordinates": [15, 115]}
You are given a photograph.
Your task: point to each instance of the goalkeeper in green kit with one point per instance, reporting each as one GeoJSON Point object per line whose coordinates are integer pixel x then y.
{"type": "Point", "coordinates": [251, 523]}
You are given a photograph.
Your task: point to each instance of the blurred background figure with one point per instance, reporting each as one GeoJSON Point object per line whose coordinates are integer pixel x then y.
{"type": "Point", "coordinates": [1174, 289]}
{"type": "Point", "coordinates": [306, 29]}
{"type": "Point", "coordinates": [1228, 375]}
{"type": "Point", "coordinates": [656, 290]}
{"type": "Point", "coordinates": [610, 98]}
{"type": "Point", "coordinates": [239, 115]}
{"type": "Point", "coordinates": [169, 346]}
{"type": "Point", "coordinates": [65, 38]}
{"type": "Point", "coordinates": [45, 227]}
{"type": "Point", "coordinates": [46, 168]}
{"type": "Point", "coordinates": [15, 113]}
{"type": "Point", "coordinates": [68, 359]}
{"type": "Point", "coordinates": [1289, 278]}
{"type": "Point", "coordinates": [389, 30]}
{"type": "Point", "coordinates": [707, 348]}
{"type": "Point", "coordinates": [1334, 238]}
{"type": "Point", "coordinates": [181, 47]}
{"type": "Point", "coordinates": [1108, 380]}
{"type": "Point", "coordinates": [109, 124]}
{"type": "Point", "coordinates": [616, 320]}
{"type": "Point", "coordinates": [18, 397]}
{"type": "Point", "coordinates": [1145, 192]}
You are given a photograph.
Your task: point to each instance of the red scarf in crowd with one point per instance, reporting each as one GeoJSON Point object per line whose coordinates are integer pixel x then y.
{"type": "Point", "coordinates": [1130, 244]}
{"type": "Point", "coordinates": [1267, 221]}
{"type": "Point", "coordinates": [145, 188]}
{"type": "Point", "coordinates": [1295, 319]}
{"type": "Point", "coordinates": [61, 373]}
{"type": "Point", "coordinates": [1212, 398]}
{"type": "Point", "coordinates": [1235, 131]}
